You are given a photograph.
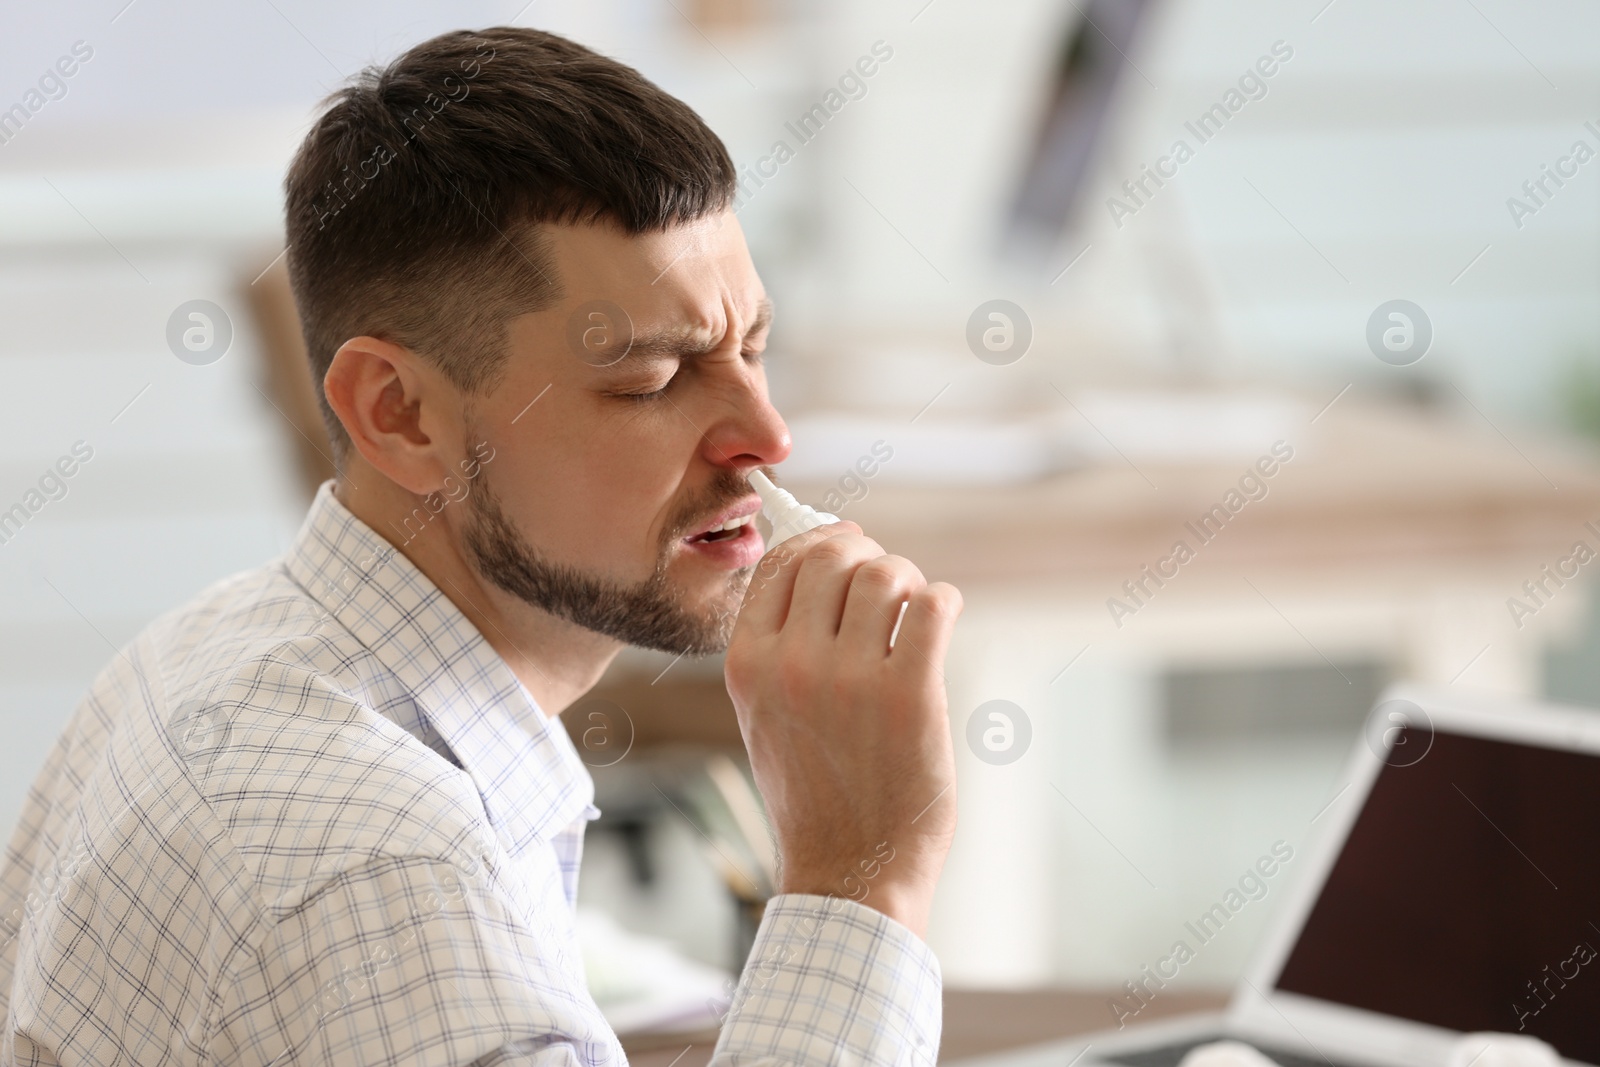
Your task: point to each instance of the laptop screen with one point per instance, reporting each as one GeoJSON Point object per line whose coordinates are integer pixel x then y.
{"type": "Point", "coordinates": [1468, 896]}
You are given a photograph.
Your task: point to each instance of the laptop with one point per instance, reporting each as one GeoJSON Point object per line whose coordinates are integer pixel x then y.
{"type": "Point", "coordinates": [1452, 885]}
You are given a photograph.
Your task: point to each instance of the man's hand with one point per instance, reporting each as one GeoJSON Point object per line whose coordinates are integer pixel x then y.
{"type": "Point", "coordinates": [849, 738]}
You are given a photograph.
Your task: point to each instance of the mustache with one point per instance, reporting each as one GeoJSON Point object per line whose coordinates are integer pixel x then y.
{"type": "Point", "coordinates": [726, 487]}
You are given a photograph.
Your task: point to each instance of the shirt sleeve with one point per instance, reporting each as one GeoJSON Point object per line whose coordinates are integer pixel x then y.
{"type": "Point", "coordinates": [831, 981]}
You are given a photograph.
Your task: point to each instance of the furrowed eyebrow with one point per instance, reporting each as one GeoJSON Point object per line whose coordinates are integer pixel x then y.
{"type": "Point", "coordinates": [668, 345]}
{"type": "Point", "coordinates": [763, 317]}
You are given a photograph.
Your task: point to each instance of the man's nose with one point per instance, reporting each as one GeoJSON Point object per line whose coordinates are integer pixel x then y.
{"type": "Point", "coordinates": [750, 434]}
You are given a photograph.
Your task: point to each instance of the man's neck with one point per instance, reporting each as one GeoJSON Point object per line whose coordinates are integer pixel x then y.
{"type": "Point", "coordinates": [557, 661]}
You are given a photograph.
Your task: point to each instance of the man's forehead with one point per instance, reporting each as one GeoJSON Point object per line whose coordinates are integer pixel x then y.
{"type": "Point", "coordinates": [685, 287]}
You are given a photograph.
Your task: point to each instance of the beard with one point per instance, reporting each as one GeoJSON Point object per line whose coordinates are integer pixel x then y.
{"type": "Point", "coordinates": [648, 614]}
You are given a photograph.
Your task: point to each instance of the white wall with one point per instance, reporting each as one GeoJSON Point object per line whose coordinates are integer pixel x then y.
{"type": "Point", "coordinates": [1390, 142]}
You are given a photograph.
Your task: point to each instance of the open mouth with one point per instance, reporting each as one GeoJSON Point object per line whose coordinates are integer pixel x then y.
{"type": "Point", "coordinates": [729, 530]}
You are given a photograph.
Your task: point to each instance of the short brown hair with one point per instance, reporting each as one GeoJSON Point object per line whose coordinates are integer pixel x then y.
{"type": "Point", "coordinates": [412, 207]}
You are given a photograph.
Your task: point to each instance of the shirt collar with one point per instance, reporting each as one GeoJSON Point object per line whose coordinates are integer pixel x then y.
{"type": "Point", "coordinates": [526, 769]}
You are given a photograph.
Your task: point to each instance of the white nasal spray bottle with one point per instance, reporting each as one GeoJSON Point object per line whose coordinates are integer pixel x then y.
{"type": "Point", "coordinates": [787, 515]}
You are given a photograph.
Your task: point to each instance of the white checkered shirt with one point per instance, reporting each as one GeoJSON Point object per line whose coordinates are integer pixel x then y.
{"type": "Point", "coordinates": [312, 818]}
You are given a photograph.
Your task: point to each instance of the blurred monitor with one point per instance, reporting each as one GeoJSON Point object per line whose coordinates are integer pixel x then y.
{"type": "Point", "coordinates": [1093, 63]}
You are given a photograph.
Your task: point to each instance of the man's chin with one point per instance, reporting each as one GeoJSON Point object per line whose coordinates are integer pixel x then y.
{"type": "Point", "coordinates": [706, 618]}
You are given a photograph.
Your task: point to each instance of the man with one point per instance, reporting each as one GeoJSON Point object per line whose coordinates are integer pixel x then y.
{"type": "Point", "coordinates": [325, 812]}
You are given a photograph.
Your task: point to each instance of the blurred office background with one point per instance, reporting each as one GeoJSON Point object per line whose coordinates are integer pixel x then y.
{"type": "Point", "coordinates": [1174, 341]}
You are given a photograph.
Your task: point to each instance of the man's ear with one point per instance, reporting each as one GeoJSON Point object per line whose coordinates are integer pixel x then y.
{"type": "Point", "coordinates": [394, 408]}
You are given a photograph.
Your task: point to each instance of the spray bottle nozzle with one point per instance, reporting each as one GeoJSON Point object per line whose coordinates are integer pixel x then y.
{"type": "Point", "coordinates": [788, 516]}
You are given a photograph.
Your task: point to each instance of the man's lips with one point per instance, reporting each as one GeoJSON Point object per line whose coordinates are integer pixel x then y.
{"type": "Point", "coordinates": [743, 510]}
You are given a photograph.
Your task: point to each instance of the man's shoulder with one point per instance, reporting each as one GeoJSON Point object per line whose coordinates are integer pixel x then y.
{"type": "Point", "coordinates": [245, 609]}
{"type": "Point", "coordinates": [276, 714]}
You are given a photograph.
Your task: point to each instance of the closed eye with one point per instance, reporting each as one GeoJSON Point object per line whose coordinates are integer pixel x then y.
{"type": "Point", "coordinates": [752, 355]}
{"type": "Point", "coordinates": [646, 397]}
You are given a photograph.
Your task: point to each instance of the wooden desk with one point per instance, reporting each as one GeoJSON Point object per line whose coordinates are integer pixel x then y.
{"type": "Point", "coordinates": [1371, 486]}
{"type": "Point", "coordinates": [974, 1022]}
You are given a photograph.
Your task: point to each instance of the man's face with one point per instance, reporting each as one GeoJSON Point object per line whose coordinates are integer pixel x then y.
{"type": "Point", "coordinates": [612, 460]}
